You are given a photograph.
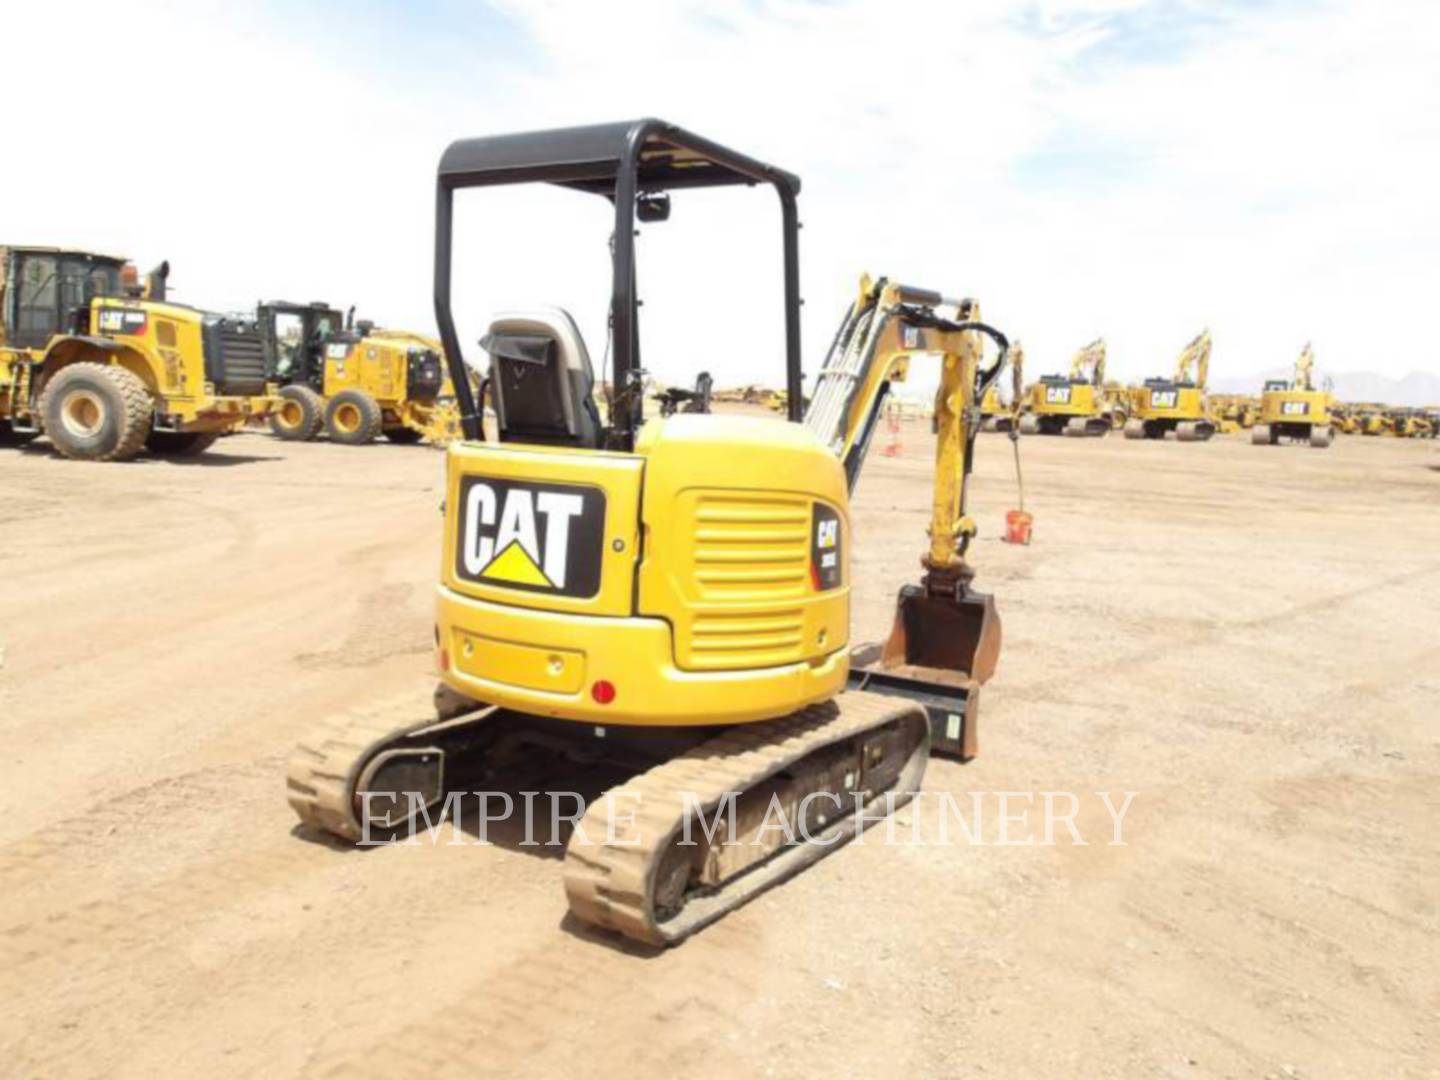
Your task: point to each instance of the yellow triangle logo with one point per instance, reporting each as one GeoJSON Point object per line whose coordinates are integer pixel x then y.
{"type": "Point", "coordinates": [515, 565]}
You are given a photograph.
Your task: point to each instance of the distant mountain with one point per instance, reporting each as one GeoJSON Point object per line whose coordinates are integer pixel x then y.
{"type": "Point", "coordinates": [1417, 388]}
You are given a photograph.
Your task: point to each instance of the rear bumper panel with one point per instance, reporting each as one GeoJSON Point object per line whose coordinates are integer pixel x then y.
{"type": "Point", "coordinates": [545, 662]}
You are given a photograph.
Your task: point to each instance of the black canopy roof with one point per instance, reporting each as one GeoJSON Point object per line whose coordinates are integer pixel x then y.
{"type": "Point", "coordinates": [589, 159]}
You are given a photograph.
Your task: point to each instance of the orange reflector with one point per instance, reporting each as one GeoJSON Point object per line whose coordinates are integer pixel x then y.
{"type": "Point", "coordinates": [442, 659]}
{"type": "Point", "coordinates": [603, 692]}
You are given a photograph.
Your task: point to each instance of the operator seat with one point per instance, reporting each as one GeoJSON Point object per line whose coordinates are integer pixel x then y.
{"type": "Point", "coordinates": [541, 382]}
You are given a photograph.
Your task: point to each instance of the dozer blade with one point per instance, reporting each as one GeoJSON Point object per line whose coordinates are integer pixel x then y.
{"type": "Point", "coordinates": [940, 650]}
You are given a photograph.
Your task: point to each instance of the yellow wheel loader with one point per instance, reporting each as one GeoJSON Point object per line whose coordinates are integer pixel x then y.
{"type": "Point", "coordinates": [671, 596]}
{"type": "Point", "coordinates": [105, 366]}
{"type": "Point", "coordinates": [1295, 410]}
{"type": "Point", "coordinates": [354, 381]}
{"type": "Point", "coordinates": [1177, 404]}
{"type": "Point", "coordinates": [1071, 404]}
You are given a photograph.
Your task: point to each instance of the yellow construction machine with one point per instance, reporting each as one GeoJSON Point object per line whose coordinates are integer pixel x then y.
{"type": "Point", "coordinates": [1072, 404]}
{"type": "Point", "coordinates": [671, 596]}
{"type": "Point", "coordinates": [1411, 424]}
{"type": "Point", "coordinates": [1177, 404]}
{"type": "Point", "coordinates": [1374, 420]}
{"type": "Point", "coordinates": [1295, 410]}
{"type": "Point", "coordinates": [106, 366]}
{"type": "Point", "coordinates": [354, 380]}
{"type": "Point", "coordinates": [996, 415]}
{"type": "Point", "coordinates": [1235, 412]}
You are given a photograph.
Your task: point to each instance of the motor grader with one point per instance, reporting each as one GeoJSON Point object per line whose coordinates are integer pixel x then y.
{"type": "Point", "coordinates": [1295, 410]}
{"type": "Point", "coordinates": [1176, 404]}
{"type": "Point", "coordinates": [353, 380]}
{"type": "Point", "coordinates": [106, 366]}
{"type": "Point", "coordinates": [1072, 404]}
{"type": "Point", "coordinates": [671, 595]}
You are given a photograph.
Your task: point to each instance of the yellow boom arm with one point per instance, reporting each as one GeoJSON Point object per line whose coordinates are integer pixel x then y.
{"type": "Point", "coordinates": [1304, 369]}
{"type": "Point", "coordinates": [1195, 358]}
{"type": "Point", "coordinates": [1089, 363]}
{"type": "Point", "coordinates": [886, 327]}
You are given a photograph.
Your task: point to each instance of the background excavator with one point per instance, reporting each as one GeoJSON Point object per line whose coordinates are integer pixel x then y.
{"type": "Point", "coordinates": [671, 596]}
{"type": "Point", "coordinates": [1177, 404]}
{"type": "Point", "coordinates": [997, 415]}
{"type": "Point", "coordinates": [1295, 410]}
{"type": "Point", "coordinates": [1072, 404]}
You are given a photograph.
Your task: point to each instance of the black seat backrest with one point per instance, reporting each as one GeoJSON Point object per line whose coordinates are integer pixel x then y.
{"type": "Point", "coordinates": [541, 382]}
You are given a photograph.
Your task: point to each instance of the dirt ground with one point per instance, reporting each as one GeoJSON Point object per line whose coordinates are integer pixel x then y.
{"type": "Point", "coordinates": [1248, 638]}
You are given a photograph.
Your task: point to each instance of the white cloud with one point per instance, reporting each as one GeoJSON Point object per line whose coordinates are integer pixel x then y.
{"type": "Point", "coordinates": [1126, 168]}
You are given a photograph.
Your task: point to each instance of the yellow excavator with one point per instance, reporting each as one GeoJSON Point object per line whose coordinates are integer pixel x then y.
{"type": "Point", "coordinates": [1177, 404]}
{"type": "Point", "coordinates": [671, 596]}
{"type": "Point", "coordinates": [1071, 404]}
{"type": "Point", "coordinates": [996, 415]}
{"type": "Point", "coordinates": [1295, 410]}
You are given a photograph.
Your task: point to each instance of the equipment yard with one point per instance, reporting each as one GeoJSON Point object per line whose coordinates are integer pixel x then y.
{"type": "Point", "coordinates": [1247, 640]}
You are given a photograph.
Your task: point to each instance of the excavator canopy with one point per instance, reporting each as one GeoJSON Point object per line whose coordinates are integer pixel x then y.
{"type": "Point", "coordinates": [633, 164]}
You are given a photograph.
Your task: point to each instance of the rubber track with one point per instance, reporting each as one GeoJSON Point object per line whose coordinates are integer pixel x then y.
{"type": "Point", "coordinates": [321, 773]}
{"type": "Point", "coordinates": [609, 884]}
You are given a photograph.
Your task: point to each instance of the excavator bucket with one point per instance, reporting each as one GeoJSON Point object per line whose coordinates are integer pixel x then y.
{"type": "Point", "coordinates": [944, 634]}
{"type": "Point", "coordinates": [940, 650]}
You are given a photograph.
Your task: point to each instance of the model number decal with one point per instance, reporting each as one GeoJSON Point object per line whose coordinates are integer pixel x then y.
{"type": "Point", "coordinates": [825, 557]}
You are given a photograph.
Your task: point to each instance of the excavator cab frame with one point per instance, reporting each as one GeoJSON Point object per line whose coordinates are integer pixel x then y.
{"type": "Point", "coordinates": [634, 164]}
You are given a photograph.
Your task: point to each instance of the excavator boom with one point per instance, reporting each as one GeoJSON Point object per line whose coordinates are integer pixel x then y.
{"type": "Point", "coordinates": [945, 636]}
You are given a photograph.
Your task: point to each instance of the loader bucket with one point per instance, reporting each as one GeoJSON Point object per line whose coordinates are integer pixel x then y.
{"type": "Point", "coordinates": [939, 652]}
{"type": "Point", "coordinates": [944, 634]}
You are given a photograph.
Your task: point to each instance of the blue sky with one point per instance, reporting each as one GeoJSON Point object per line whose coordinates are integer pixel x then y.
{"type": "Point", "coordinates": [1119, 167]}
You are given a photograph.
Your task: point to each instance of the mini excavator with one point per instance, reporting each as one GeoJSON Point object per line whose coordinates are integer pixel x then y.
{"type": "Point", "coordinates": [672, 595]}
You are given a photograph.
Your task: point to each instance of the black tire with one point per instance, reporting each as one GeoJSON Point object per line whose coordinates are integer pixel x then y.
{"type": "Point", "coordinates": [353, 418]}
{"type": "Point", "coordinates": [403, 435]}
{"type": "Point", "coordinates": [181, 443]}
{"type": "Point", "coordinates": [299, 416]}
{"type": "Point", "coordinates": [96, 412]}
